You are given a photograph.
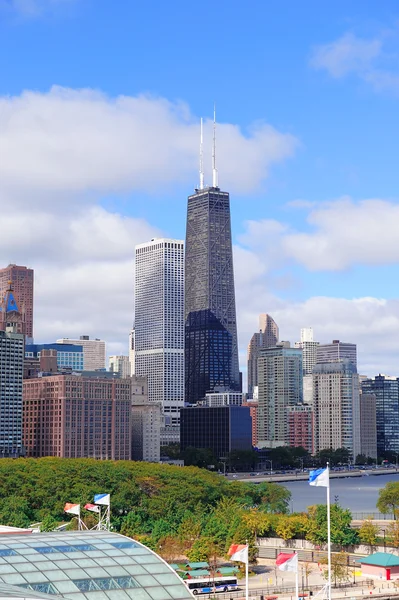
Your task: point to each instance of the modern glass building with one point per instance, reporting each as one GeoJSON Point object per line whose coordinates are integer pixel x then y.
{"type": "Point", "coordinates": [68, 355]}
{"type": "Point", "coordinates": [211, 349]}
{"type": "Point", "coordinates": [11, 380]}
{"type": "Point", "coordinates": [159, 326]}
{"type": "Point", "coordinates": [221, 428]}
{"type": "Point", "coordinates": [386, 391]}
{"type": "Point", "coordinates": [87, 565]}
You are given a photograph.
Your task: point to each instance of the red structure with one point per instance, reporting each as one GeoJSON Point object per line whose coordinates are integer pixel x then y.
{"type": "Point", "coordinates": [381, 565]}
{"type": "Point", "coordinates": [74, 416]}
{"type": "Point", "coordinates": [253, 411]}
{"type": "Point", "coordinates": [300, 426]}
{"type": "Point", "coordinates": [20, 279]}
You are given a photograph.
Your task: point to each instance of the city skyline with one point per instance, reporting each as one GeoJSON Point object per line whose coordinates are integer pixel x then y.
{"type": "Point", "coordinates": [311, 197]}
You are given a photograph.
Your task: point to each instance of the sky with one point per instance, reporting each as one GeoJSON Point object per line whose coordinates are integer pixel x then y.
{"type": "Point", "coordinates": [100, 104]}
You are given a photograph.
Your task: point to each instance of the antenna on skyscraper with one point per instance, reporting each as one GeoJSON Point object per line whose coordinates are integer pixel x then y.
{"type": "Point", "coordinates": [214, 170]}
{"type": "Point", "coordinates": [201, 167]}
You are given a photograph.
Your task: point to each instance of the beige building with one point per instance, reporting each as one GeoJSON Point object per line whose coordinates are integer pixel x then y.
{"type": "Point", "coordinates": [93, 352]}
{"type": "Point", "coordinates": [119, 364]}
{"type": "Point", "coordinates": [146, 423]}
{"type": "Point", "coordinates": [368, 425]}
{"type": "Point", "coordinates": [266, 337]}
{"type": "Point", "coordinates": [21, 280]}
{"type": "Point", "coordinates": [336, 407]}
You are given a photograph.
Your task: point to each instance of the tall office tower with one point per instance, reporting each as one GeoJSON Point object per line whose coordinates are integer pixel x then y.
{"type": "Point", "coordinates": [386, 391]}
{"type": "Point", "coordinates": [120, 365]}
{"type": "Point", "coordinates": [131, 351]}
{"type": "Point", "coordinates": [93, 352]}
{"type": "Point", "coordinates": [11, 379]}
{"type": "Point", "coordinates": [21, 279]}
{"type": "Point", "coordinates": [78, 416]}
{"type": "Point", "coordinates": [211, 346]}
{"type": "Point", "coordinates": [266, 337]}
{"type": "Point", "coordinates": [159, 327]}
{"type": "Point", "coordinates": [336, 407]}
{"type": "Point", "coordinates": [12, 315]}
{"type": "Point", "coordinates": [368, 425]}
{"type": "Point", "coordinates": [279, 386]}
{"type": "Point", "coordinates": [309, 350]}
{"type": "Point", "coordinates": [336, 351]}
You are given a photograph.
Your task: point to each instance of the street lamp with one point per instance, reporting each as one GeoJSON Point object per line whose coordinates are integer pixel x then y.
{"type": "Point", "coordinates": [271, 465]}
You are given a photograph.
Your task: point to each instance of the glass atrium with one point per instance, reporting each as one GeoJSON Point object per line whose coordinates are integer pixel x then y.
{"type": "Point", "coordinates": [92, 565]}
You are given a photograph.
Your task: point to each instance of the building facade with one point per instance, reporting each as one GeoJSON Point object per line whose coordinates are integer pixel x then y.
{"type": "Point", "coordinates": [386, 391]}
{"type": "Point", "coordinates": [223, 399]}
{"type": "Point", "coordinates": [159, 326]}
{"type": "Point", "coordinates": [336, 407]}
{"type": "Point", "coordinates": [22, 283]}
{"type": "Point", "coordinates": [368, 425]}
{"type": "Point", "coordinates": [147, 421]}
{"type": "Point", "coordinates": [280, 385]}
{"type": "Point", "coordinates": [11, 378]}
{"type": "Point", "coordinates": [300, 427]}
{"type": "Point", "coordinates": [336, 351]}
{"type": "Point", "coordinates": [93, 352]}
{"type": "Point", "coordinates": [69, 356]}
{"type": "Point", "coordinates": [266, 337]}
{"type": "Point", "coordinates": [253, 411]}
{"type": "Point", "coordinates": [119, 364]}
{"type": "Point", "coordinates": [75, 416]}
{"type": "Point", "coordinates": [221, 428]}
{"type": "Point", "coordinates": [131, 351]}
{"type": "Point", "coordinates": [211, 346]}
{"type": "Point", "coordinates": [309, 350]}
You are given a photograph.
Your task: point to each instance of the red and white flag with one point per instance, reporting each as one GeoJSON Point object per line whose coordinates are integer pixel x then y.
{"type": "Point", "coordinates": [287, 562]}
{"type": "Point", "coordinates": [93, 508]}
{"type": "Point", "coordinates": [72, 509]}
{"type": "Point", "coordinates": [239, 552]}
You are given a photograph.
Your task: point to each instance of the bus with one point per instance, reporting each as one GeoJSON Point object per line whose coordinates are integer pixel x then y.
{"type": "Point", "coordinates": [208, 585]}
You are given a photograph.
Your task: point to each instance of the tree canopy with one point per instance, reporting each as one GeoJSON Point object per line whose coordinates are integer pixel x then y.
{"type": "Point", "coordinates": [388, 499]}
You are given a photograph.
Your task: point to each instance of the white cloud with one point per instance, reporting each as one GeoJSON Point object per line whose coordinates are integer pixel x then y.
{"type": "Point", "coordinates": [369, 59]}
{"type": "Point", "coordinates": [81, 141]}
{"type": "Point", "coordinates": [31, 8]}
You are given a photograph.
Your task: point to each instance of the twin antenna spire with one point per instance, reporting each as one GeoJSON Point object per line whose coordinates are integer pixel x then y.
{"type": "Point", "coordinates": [215, 182]}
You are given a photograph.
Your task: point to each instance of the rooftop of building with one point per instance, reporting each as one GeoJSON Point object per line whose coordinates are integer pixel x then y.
{"type": "Point", "coordinates": [85, 565]}
{"type": "Point", "coordinates": [381, 559]}
{"type": "Point", "coordinates": [53, 346]}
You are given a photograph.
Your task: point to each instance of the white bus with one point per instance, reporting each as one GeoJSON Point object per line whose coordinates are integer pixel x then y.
{"type": "Point", "coordinates": [208, 585]}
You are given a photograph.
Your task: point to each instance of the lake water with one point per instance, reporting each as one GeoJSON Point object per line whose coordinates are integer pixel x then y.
{"type": "Point", "coordinates": [359, 494]}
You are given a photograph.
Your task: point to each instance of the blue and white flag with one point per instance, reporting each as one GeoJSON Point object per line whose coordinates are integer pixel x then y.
{"type": "Point", "coordinates": [103, 499]}
{"type": "Point", "coordinates": [320, 477]}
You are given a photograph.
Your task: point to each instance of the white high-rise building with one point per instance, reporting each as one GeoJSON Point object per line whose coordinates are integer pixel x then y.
{"type": "Point", "coordinates": [159, 327]}
{"type": "Point", "coordinates": [93, 352]}
{"type": "Point", "coordinates": [120, 364]}
{"type": "Point", "coordinates": [131, 351]}
{"type": "Point", "coordinates": [309, 350]}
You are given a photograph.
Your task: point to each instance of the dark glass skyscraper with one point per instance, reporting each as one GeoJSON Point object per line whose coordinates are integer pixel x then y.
{"type": "Point", "coordinates": [211, 349]}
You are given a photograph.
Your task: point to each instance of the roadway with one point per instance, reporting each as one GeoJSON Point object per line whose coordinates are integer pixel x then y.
{"type": "Point", "coordinates": [304, 476]}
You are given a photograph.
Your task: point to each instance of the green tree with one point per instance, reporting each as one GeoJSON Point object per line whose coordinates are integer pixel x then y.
{"type": "Point", "coordinates": [368, 533]}
{"type": "Point", "coordinates": [392, 533]}
{"type": "Point", "coordinates": [388, 498]}
{"type": "Point", "coordinates": [339, 568]}
{"type": "Point", "coordinates": [341, 531]}
{"type": "Point", "coordinates": [48, 524]}
{"type": "Point", "coordinates": [14, 511]}
{"type": "Point", "coordinates": [171, 451]}
{"type": "Point", "coordinates": [286, 528]}
{"type": "Point", "coordinates": [203, 549]}
{"type": "Point", "coordinates": [242, 460]}
{"type": "Point", "coordinates": [198, 457]}
{"type": "Point", "coordinates": [258, 522]}
{"type": "Point", "coordinates": [361, 459]}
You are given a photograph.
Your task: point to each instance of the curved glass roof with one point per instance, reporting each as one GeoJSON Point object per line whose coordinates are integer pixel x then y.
{"type": "Point", "coordinates": [92, 565]}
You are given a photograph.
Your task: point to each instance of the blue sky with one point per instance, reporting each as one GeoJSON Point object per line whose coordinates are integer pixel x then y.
{"type": "Point", "coordinates": [99, 109]}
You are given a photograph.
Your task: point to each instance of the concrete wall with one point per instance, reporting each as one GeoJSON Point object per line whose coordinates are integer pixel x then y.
{"type": "Point", "coordinates": [305, 545]}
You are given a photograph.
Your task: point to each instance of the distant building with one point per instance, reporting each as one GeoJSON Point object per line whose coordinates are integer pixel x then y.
{"type": "Point", "coordinates": [69, 356]}
{"type": "Point", "coordinates": [21, 280]}
{"type": "Point", "coordinates": [386, 391]}
{"type": "Point", "coordinates": [280, 386]}
{"type": "Point", "coordinates": [309, 350]}
{"type": "Point", "coordinates": [222, 429]}
{"type": "Point", "coordinates": [93, 352]}
{"type": "Point", "coordinates": [336, 351]}
{"type": "Point", "coordinates": [336, 407]}
{"type": "Point", "coordinates": [308, 389]}
{"type": "Point", "coordinates": [77, 416]}
{"type": "Point", "coordinates": [131, 352]}
{"type": "Point", "coordinates": [120, 364]}
{"type": "Point", "coordinates": [223, 399]}
{"type": "Point", "coordinates": [300, 427]}
{"type": "Point", "coordinates": [11, 378]}
{"type": "Point", "coordinates": [12, 312]}
{"type": "Point", "coordinates": [368, 425]}
{"type": "Point", "coordinates": [159, 326]}
{"type": "Point", "coordinates": [146, 423]}
{"type": "Point", "coordinates": [253, 411]}
{"type": "Point", "coordinates": [266, 337]}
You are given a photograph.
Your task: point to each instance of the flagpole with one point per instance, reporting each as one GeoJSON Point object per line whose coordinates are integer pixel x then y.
{"type": "Point", "coordinates": [246, 573]}
{"type": "Point", "coordinates": [297, 579]}
{"type": "Point", "coordinates": [328, 534]}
